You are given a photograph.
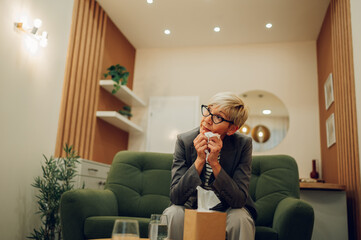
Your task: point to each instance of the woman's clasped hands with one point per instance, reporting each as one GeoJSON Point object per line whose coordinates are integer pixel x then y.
{"type": "Point", "coordinates": [211, 145]}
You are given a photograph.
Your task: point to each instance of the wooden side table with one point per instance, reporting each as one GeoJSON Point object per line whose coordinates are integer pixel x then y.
{"type": "Point", "coordinates": [322, 186]}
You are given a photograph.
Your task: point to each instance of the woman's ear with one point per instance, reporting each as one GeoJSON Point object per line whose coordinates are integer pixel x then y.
{"type": "Point", "coordinates": [232, 129]}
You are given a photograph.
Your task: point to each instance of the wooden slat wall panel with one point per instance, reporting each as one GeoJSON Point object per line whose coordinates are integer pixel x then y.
{"type": "Point", "coordinates": [345, 111]}
{"type": "Point", "coordinates": [73, 64]}
{"type": "Point", "coordinates": [96, 53]}
{"type": "Point", "coordinates": [89, 59]}
{"type": "Point", "coordinates": [80, 81]}
{"type": "Point", "coordinates": [77, 114]}
{"type": "Point", "coordinates": [94, 105]}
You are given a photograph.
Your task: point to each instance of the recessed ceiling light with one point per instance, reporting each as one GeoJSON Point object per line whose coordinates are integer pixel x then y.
{"type": "Point", "coordinates": [268, 25]}
{"type": "Point", "coordinates": [266, 112]}
{"type": "Point", "coordinates": [216, 29]}
{"type": "Point", "coordinates": [150, 1]}
{"type": "Point", "coordinates": [167, 31]}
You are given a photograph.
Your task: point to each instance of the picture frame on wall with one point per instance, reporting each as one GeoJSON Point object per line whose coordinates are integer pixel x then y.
{"type": "Point", "coordinates": [328, 86]}
{"type": "Point", "coordinates": [330, 130]}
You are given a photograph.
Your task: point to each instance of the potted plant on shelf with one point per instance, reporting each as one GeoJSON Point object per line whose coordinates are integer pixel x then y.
{"type": "Point", "coordinates": [119, 75]}
{"type": "Point", "coordinates": [126, 111]}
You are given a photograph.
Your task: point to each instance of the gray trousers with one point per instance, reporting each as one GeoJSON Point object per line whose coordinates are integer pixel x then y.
{"type": "Point", "coordinates": [240, 225]}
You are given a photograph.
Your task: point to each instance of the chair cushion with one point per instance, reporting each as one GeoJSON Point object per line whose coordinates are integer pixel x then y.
{"type": "Point", "coordinates": [265, 233]}
{"type": "Point", "coordinates": [102, 226]}
{"type": "Point", "coordinates": [141, 182]}
{"type": "Point", "coordinates": [273, 178]}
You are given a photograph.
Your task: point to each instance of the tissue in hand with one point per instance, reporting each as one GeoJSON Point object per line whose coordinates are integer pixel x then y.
{"type": "Point", "coordinates": [209, 135]}
{"type": "Point", "coordinates": [206, 199]}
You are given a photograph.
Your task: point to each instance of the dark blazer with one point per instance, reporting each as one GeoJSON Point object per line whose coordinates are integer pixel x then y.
{"type": "Point", "coordinates": [232, 182]}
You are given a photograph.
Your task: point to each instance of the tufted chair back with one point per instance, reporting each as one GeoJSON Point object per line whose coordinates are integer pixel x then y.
{"type": "Point", "coordinates": [274, 177]}
{"type": "Point", "coordinates": [145, 180]}
{"type": "Point", "coordinates": [140, 182]}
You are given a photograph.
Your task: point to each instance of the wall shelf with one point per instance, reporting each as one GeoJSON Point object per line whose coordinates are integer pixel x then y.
{"type": "Point", "coordinates": [322, 186]}
{"type": "Point", "coordinates": [124, 94]}
{"type": "Point", "coordinates": [119, 121]}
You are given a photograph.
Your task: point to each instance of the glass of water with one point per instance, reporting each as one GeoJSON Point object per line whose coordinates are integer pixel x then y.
{"type": "Point", "coordinates": [125, 229]}
{"type": "Point", "coordinates": [158, 227]}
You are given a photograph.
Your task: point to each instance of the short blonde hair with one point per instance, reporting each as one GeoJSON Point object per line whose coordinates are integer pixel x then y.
{"type": "Point", "coordinates": [232, 105]}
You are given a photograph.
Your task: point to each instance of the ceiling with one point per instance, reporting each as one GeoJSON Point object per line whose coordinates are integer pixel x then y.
{"type": "Point", "coordinates": [191, 22]}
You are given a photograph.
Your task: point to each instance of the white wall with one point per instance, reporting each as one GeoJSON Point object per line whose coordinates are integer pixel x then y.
{"type": "Point", "coordinates": [356, 41]}
{"type": "Point", "coordinates": [288, 70]}
{"type": "Point", "coordinates": [30, 95]}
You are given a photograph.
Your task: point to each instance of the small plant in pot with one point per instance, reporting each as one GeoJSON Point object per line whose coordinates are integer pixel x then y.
{"type": "Point", "coordinates": [126, 111]}
{"type": "Point", "coordinates": [119, 75]}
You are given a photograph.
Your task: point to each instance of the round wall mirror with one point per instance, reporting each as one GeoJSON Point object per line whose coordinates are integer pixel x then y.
{"type": "Point", "coordinates": [268, 120]}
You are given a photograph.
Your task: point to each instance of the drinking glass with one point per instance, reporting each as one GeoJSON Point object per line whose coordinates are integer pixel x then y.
{"type": "Point", "coordinates": [125, 230]}
{"type": "Point", "coordinates": [158, 227]}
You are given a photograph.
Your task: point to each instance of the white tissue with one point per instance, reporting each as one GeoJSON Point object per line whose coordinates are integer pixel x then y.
{"type": "Point", "coordinates": [209, 135]}
{"type": "Point", "coordinates": [207, 199]}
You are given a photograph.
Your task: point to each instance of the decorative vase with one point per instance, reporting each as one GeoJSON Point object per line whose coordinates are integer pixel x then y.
{"type": "Point", "coordinates": [314, 173]}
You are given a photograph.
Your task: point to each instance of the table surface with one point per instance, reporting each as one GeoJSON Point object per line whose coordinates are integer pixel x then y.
{"type": "Point", "coordinates": [322, 186]}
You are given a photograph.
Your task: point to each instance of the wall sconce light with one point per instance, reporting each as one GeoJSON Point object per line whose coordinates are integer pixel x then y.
{"type": "Point", "coordinates": [245, 129]}
{"type": "Point", "coordinates": [33, 38]}
{"type": "Point", "coordinates": [260, 133]}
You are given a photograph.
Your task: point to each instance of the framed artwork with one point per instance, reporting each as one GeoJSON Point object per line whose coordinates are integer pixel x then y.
{"type": "Point", "coordinates": [328, 86]}
{"type": "Point", "coordinates": [330, 130]}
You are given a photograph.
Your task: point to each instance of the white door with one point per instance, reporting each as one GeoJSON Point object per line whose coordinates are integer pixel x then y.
{"type": "Point", "coordinates": [169, 116]}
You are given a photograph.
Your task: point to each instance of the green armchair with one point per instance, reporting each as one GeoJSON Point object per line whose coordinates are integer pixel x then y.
{"type": "Point", "coordinates": [274, 188]}
{"type": "Point", "coordinates": [138, 185]}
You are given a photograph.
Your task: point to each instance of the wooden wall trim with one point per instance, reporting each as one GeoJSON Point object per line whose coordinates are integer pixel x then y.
{"type": "Point", "coordinates": [77, 113]}
{"type": "Point", "coordinates": [345, 111]}
{"type": "Point", "coordinates": [324, 68]}
{"type": "Point", "coordinates": [96, 89]}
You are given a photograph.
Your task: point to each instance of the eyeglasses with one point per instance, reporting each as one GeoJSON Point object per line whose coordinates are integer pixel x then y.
{"type": "Point", "coordinates": [215, 118]}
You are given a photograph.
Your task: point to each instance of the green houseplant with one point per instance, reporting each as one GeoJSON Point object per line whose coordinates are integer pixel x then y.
{"type": "Point", "coordinates": [57, 178]}
{"type": "Point", "coordinates": [126, 111]}
{"type": "Point", "coordinates": [119, 75]}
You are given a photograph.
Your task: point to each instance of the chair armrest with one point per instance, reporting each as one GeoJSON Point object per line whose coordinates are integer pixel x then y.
{"type": "Point", "coordinates": [77, 205]}
{"type": "Point", "coordinates": [293, 219]}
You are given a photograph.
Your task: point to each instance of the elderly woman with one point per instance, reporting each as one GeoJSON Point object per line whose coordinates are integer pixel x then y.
{"type": "Point", "coordinates": [216, 157]}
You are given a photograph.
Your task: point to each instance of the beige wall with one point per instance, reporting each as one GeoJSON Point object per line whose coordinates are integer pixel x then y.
{"type": "Point", "coordinates": [288, 70]}
{"type": "Point", "coordinates": [356, 41]}
{"type": "Point", "coordinates": [30, 95]}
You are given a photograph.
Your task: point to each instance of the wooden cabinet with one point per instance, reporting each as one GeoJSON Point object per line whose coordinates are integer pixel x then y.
{"type": "Point", "coordinates": [330, 207]}
{"type": "Point", "coordinates": [91, 174]}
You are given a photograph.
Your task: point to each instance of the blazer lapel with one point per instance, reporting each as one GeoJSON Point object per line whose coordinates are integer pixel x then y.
{"type": "Point", "coordinates": [228, 154]}
{"type": "Point", "coordinates": [193, 154]}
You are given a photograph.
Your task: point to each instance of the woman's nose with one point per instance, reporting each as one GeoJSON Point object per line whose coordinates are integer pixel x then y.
{"type": "Point", "coordinates": [208, 119]}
